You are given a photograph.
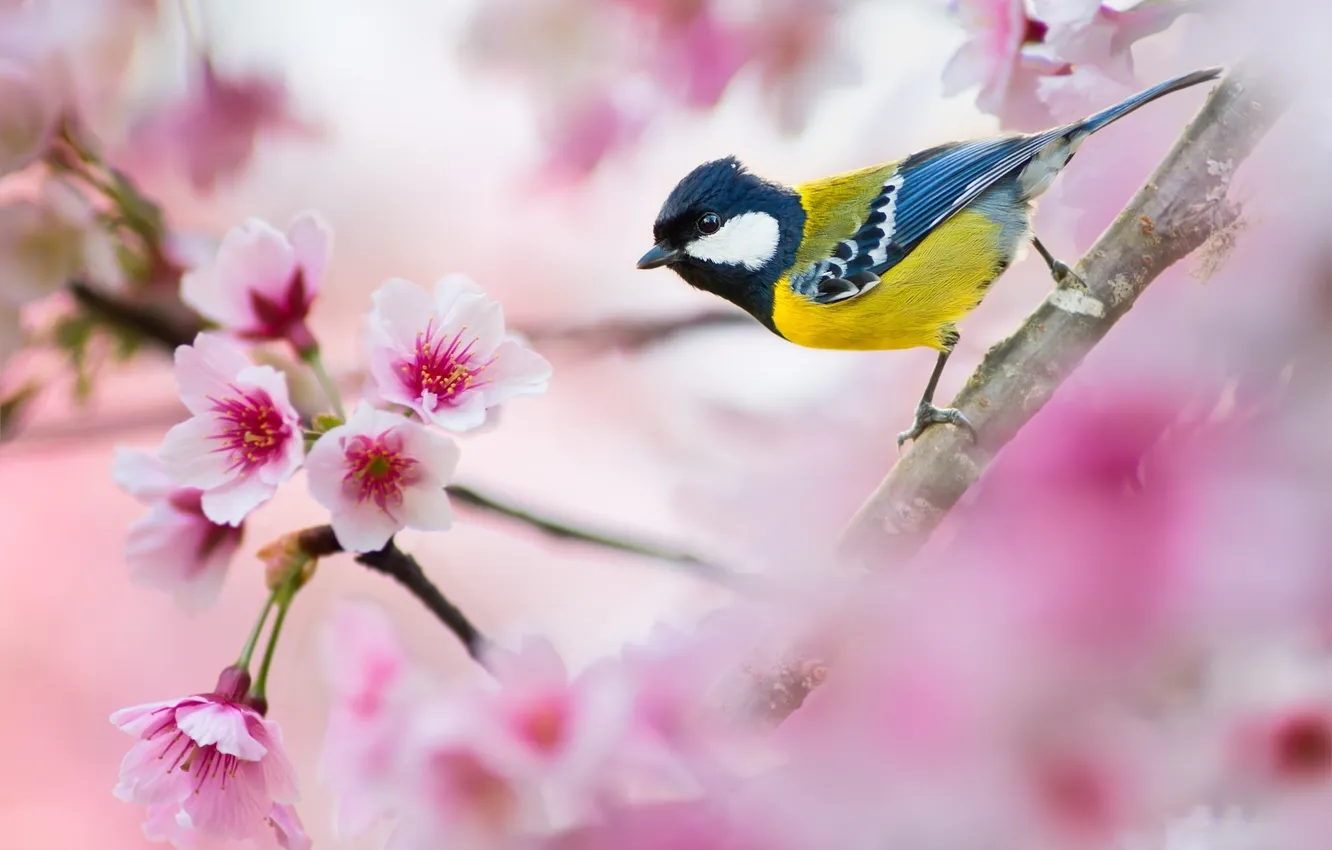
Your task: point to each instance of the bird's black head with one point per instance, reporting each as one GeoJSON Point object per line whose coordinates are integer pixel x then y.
{"type": "Point", "coordinates": [729, 232]}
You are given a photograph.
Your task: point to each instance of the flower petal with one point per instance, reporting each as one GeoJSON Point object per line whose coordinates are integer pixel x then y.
{"type": "Point", "coordinates": [206, 370]}
{"type": "Point", "coordinates": [364, 527]}
{"type": "Point", "coordinates": [141, 474]}
{"type": "Point", "coordinates": [232, 502]}
{"type": "Point", "coordinates": [311, 239]}
{"type": "Point", "coordinates": [189, 455]}
{"type": "Point", "coordinates": [222, 724]}
{"type": "Point", "coordinates": [401, 310]}
{"type": "Point", "coordinates": [145, 778]}
{"type": "Point", "coordinates": [426, 509]}
{"type": "Point", "coordinates": [236, 811]}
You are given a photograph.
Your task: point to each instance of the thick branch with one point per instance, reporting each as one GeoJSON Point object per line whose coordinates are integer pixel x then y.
{"type": "Point", "coordinates": [391, 561]}
{"type": "Point", "coordinates": [1180, 207]}
{"type": "Point", "coordinates": [147, 323]}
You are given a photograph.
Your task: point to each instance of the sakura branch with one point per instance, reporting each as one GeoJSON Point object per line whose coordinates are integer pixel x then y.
{"type": "Point", "coordinates": [1180, 207]}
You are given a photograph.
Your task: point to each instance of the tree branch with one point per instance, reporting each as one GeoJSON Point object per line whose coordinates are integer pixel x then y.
{"type": "Point", "coordinates": [320, 541]}
{"type": "Point", "coordinates": [1180, 207]}
{"type": "Point", "coordinates": [147, 323]}
{"type": "Point", "coordinates": [563, 531]}
{"type": "Point", "coordinates": [634, 335]}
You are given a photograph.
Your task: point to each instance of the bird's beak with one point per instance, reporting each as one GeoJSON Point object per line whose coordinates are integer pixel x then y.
{"type": "Point", "coordinates": [660, 255]}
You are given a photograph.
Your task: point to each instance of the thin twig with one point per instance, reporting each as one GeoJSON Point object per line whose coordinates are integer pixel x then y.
{"type": "Point", "coordinates": [391, 561]}
{"type": "Point", "coordinates": [564, 531]}
{"type": "Point", "coordinates": [1179, 207]}
{"type": "Point", "coordinates": [634, 335]}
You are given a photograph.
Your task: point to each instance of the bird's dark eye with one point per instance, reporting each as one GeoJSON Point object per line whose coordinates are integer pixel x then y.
{"type": "Point", "coordinates": [709, 223]}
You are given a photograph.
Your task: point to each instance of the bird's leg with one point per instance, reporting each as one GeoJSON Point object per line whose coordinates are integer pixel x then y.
{"type": "Point", "coordinates": [927, 414]}
{"type": "Point", "coordinates": [1062, 274]}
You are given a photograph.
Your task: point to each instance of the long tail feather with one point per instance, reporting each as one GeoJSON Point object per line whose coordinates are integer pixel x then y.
{"type": "Point", "coordinates": [1113, 113]}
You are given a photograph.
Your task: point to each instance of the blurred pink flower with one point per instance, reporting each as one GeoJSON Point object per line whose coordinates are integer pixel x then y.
{"type": "Point", "coordinates": [447, 358]}
{"type": "Point", "coordinates": [381, 473]}
{"type": "Point", "coordinates": [45, 242]}
{"type": "Point", "coordinates": [27, 115]}
{"type": "Point", "coordinates": [1054, 64]}
{"type": "Point", "coordinates": [173, 547]}
{"type": "Point", "coordinates": [993, 59]}
{"type": "Point", "coordinates": [262, 282]}
{"type": "Point", "coordinates": [214, 757]}
{"type": "Point", "coordinates": [586, 130]}
{"type": "Point", "coordinates": [794, 46]}
{"type": "Point", "coordinates": [244, 438]}
{"type": "Point", "coordinates": [694, 52]}
{"type": "Point", "coordinates": [374, 691]}
{"type": "Point", "coordinates": [212, 132]}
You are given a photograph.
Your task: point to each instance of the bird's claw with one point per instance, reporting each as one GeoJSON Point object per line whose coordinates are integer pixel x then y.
{"type": "Point", "coordinates": [927, 415]}
{"type": "Point", "coordinates": [1065, 276]}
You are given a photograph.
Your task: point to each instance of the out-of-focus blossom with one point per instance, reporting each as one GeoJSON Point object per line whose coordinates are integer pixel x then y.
{"type": "Point", "coordinates": [1056, 64]}
{"type": "Point", "coordinates": [173, 547]}
{"type": "Point", "coordinates": [75, 54]}
{"type": "Point", "coordinates": [46, 242]}
{"type": "Point", "coordinates": [212, 132]}
{"type": "Point", "coordinates": [447, 358]}
{"type": "Point", "coordinates": [374, 692]}
{"type": "Point", "coordinates": [210, 755]}
{"type": "Point", "coordinates": [27, 115]}
{"type": "Point", "coordinates": [380, 473]}
{"type": "Point", "coordinates": [696, 52]}
{"type": "Point", "coordinates": [793, 46]}
{"type": "Point", "coordinates": [262, 282]}
{"type": "Point", "coordinates": [586, 130]}
{"type": "Point", "coordinates": [244, 438]}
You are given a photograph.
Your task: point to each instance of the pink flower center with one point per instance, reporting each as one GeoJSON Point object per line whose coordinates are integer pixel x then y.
{"type": "Point", "coordinates": [377, 469]}
{"type": "Point", "coordinates": [253, 432]}
{"type": "Point", "coordinates": [205, 762]}
{"type": "Point", "coordinates": [445, 371]}
{"type": "Point", "coordinates": [544, 725]}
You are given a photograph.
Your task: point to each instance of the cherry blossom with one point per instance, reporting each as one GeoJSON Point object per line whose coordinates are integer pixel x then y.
{"type": "Point", "coordinates": [213, 757]}
{"type": "Point", "coordinates": [244, 438]}
{"type": "Point", "coordinates": [447, 358]}
{"type": "Point", "coordinates": [381, 473]}
{"type": "Point", "coordinates": [173, 547]}
{"type": "Point", "coordinates": [262, 282]}
{"type": "Point", "coordinates": [212, 132]}
{"type": "Point", "coordinates": [46, 241]}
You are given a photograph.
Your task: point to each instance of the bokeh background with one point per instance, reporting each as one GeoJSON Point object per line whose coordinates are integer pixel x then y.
{"type": "Point", "coordinates": [429, 160]}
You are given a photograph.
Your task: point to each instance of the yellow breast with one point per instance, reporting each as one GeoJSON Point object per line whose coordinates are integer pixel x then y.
{"type": "Point", "coordinates": [940, 281]}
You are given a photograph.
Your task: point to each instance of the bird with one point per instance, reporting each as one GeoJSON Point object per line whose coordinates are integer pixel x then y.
{"type": "Point", "coordinates": [889, 256]}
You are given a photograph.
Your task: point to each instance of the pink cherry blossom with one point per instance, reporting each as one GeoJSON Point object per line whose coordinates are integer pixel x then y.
{"type": "Point", "coordinates": [262, 282]}
{"type": "Point", "coordinates": [992, 57]}
{"type": "Point", "coordinates": [173, 547]}
{"type": "Point", "coordinates": [213, 757]}
{"type": "Point", "coordinates": [381, 473]}
{"type": "Point", "coordinates": [447, 358]}
{"type": "Point", "coordinates": [375, 690]}
{"type": "Point", "coordinates": [244, 438]}
{"type": "Point", "coordinates": [212, 132]}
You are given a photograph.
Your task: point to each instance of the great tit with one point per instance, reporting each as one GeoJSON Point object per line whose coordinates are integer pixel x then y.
{"type": "Point", "coordinates": [886, 257]}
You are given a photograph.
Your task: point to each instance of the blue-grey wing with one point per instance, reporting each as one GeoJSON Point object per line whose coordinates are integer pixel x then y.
{"type": "Point", "coordinates": [925, 191]}
{"type": "Point", "coordinates": [942, 181]}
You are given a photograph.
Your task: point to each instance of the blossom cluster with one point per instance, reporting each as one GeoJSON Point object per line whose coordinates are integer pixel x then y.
{"type": "Point", "coordinates": [210, 764]}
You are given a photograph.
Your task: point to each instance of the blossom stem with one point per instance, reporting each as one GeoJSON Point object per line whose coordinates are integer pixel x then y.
{"type": "Point", "coordinates": [248, 652]}
{"type": "Point", "coordinates": [316, 362]}
{"type": "Point", "coordinates": [282, 598]}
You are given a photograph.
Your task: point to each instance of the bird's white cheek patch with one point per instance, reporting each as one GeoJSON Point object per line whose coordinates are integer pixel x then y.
{"type": "Point", "coordinates": [749, 240]}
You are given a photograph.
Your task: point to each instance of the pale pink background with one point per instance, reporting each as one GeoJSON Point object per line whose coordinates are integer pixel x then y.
{"type": "Point", "coordinates": [426, 171]}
